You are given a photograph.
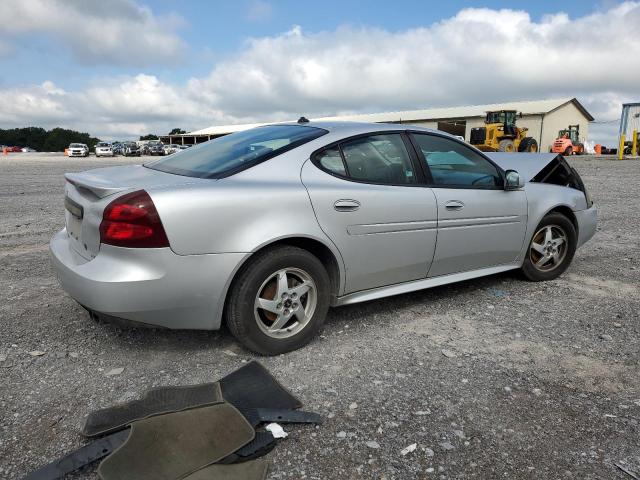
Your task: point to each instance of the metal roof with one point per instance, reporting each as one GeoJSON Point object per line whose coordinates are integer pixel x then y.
{"type": "Point", "coordinates": [536, 107]}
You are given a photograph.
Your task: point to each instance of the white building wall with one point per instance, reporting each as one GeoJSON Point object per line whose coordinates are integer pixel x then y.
{"type": "Point", "coordinates": [560, 119]}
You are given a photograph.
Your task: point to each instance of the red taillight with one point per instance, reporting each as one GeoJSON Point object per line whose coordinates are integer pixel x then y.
{"type": "Point", "coordinates": [133, 221]}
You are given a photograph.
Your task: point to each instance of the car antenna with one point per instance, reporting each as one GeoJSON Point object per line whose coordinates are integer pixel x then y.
{"type": "Point", "coordinates": [303, 120]}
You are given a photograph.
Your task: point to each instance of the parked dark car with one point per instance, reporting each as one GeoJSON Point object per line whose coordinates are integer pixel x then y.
{"type": "Point", "coordinates": [156, 148]}
{"type": "Point", "coordinates": [131, 149]}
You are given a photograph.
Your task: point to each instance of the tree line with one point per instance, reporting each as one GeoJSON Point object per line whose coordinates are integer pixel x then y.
{"type": "Point", "coordinates": [54, 140]}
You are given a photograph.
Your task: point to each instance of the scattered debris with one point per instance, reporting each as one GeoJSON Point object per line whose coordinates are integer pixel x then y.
{"type": "Point", "coordinates": [448, 353]}
{"type": "Point", "coordinates": [3, 358]}
{"type": "Point", "coordinates": [496, 292]}
{"type": "Point", "coordinates": [353, 406]}
{"type": "Point", "coordinates": [373, 444]}
{"type": "Point", "coordinates": [276, 430]}
{"type": "Point", "coordinates": [428, 452]}
{"type": "Point", "coordinates": [341, 434]}
{"type": "Point", "coordinates": [73, 354]}
{"type": "Point", "coordinates": [114, 371]}
{"type": "Point", "coordinates": [37, 353]}
{"type": "Point", "coordinates": [423, 412]}
{"type": "Point", "coordinates": [230, 353]}
{"type": "Point", "coordinates": [447, 446]}
{"type": "Point", "coordinates": [605, 337]}
{"type": "Point", "coordinates": [409, 449]}
{"type": "Point", "coordinates": [537, 391]}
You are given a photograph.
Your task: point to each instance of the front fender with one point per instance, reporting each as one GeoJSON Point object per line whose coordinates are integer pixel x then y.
{"type": "Point", "coordinates": [542, 198]}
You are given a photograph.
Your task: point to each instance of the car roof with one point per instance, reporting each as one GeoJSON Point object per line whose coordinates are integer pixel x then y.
{"type": "Point", "coordinates": [346, 128]}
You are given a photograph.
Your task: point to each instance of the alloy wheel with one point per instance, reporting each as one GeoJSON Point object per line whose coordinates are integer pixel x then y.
{"type": "Point", "coordinates": [285, 303]}
{"type": "Point", "coordinates": [548, 248]}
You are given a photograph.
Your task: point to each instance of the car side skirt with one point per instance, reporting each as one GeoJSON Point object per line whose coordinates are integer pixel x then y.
{"type": "Point", "coordinates": [407, 287]}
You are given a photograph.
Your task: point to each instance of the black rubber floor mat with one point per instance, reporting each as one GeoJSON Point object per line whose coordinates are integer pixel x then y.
{"type": "Point", "coordinates": [83, 456]}
{"type": "Point", "coordinates": [172, 446]}
{"type": "Point", "coordinates": [155, 402]}
{"type": "Point", "coordinates": [252, 470]}
{"type": "Point", "coordinates": [252, 386]}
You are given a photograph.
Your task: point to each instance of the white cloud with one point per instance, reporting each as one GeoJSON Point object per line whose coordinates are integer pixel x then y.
{"type": "Point", "coordinates": [477, 56]}
{"type": "Point", "coordinates": [116, 32]}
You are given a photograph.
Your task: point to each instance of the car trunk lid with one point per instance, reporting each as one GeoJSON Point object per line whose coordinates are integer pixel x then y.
{"type": "Point", "coordinates": [88, 193]}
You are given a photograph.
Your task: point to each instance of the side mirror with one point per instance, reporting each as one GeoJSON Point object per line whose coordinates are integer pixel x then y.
{"type": "Point", "coordinates": [513, 180]}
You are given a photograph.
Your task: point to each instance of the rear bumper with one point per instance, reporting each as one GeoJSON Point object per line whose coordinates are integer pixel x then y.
{"type": "Point", "coordinates": [153, 286]}
{"type": "Point", "coordinates": [587, 223]}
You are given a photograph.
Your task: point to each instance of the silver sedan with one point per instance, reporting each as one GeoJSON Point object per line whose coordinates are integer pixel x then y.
{"type": "Point", "coordinates": [267, 228]}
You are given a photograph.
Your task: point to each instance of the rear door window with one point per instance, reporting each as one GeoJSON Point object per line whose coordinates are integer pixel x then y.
{"type": "Point", "coordinates": [380, 159]}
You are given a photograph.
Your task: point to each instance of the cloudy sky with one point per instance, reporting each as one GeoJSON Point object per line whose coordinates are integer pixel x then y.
{"type": "Point", "coordinates": [123, 68]}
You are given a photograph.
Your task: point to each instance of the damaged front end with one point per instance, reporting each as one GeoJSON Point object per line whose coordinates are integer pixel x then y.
{"type": "Point", "coordinates": [551, 168]}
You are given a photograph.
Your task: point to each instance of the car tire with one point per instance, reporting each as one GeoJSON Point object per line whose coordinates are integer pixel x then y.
{"type": "Point", "coordinates": [261, 282]}
{"type": "Point", "coordinates": [559, 254]}
{"type": "Point", "coordinates": [568, 151]}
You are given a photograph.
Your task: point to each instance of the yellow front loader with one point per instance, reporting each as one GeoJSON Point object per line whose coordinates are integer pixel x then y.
{"type": "Point", "coordinates": [500, 134]}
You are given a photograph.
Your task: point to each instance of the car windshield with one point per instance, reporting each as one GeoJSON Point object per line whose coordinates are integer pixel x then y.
{"type": "Point", "coordinates": [226, 155]}
{"type": "Point", "coordinates": [76, 145]}
{"type": "Point", "coordinates": [103, 144]}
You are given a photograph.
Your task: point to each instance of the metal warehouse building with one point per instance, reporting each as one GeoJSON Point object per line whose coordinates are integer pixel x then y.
{"type": "Point", "coordinates": [543, 118]}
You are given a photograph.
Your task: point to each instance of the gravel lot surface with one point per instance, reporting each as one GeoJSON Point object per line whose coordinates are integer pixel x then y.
{"type": "Point", "coordinates": [491, 378]}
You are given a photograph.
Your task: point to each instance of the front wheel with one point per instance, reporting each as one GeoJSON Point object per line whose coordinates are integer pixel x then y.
{"type": "Point", "coordinates": [528, 144]}
{"type": "Point", "coordinates": [551, 249]}
{"type": "Point", "coordinates": [279, 301]}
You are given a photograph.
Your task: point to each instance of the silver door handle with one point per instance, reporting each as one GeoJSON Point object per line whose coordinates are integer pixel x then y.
{"type": "Point", "coordinates": [346, 205]}
{"type": "Point", "coordinates": [454, 205]}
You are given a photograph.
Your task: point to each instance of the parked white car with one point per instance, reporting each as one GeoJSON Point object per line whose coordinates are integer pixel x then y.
{"type": "Point", "coordinates": [78, 150]}
{"type": "Point", "coordinates": [104, 149]}
{"type": "Point", "coordinates": [171, 148]}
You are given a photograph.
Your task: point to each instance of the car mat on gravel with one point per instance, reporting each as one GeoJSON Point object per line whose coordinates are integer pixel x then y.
{"type": "Point", "coordinates": [250, 386]}
{"type": "Point", "coordinates": [253, 386]}
{"type": "Point", "coordinates": [154, 402]}
{"type": "Point", "coordinates": [170, 447]}
{"type": "Point", "coordinates": [252, 470]}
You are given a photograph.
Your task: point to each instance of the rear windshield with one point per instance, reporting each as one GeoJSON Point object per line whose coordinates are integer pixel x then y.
{"type": "Point", "coordinates": [103, 144]}
{"type": "Point", "coordinates": [226, 155]}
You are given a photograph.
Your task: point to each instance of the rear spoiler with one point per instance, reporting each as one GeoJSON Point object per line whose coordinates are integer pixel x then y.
{"type": "Point", "coordinates": [96, 185]}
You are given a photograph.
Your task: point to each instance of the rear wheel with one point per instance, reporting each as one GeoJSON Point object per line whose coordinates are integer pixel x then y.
{"type": "Point", "coordinates": [568, 151]}
{"type": "Point", "coordinates": [551, 249]}
{"type": "Point", "coordinates": [506, 145]}
{"type": "Point", "coordinates": [579, 149]}
{"type": "Point", "coordinates": [279, 301]}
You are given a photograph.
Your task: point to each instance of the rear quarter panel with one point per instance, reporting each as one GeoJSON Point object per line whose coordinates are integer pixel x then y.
{"type": "Point", "coordinates": [241, 213]}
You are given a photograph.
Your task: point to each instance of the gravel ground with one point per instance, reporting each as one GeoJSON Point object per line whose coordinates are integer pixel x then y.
{"type": "Point", "coordinates": [491, 378]}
